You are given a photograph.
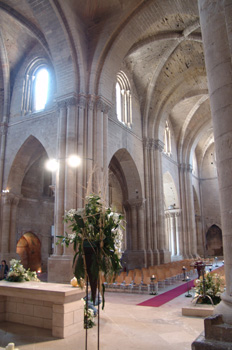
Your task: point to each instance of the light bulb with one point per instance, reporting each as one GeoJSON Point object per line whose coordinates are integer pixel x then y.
{"type": "Point", "coordinates": [51, 165]}
{"type": "Point", "coordinates": [74, 161]}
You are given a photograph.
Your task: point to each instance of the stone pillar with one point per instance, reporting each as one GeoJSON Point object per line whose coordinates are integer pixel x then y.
{"type": "Point", "coordinates": [141, 243]}
{"type": "Point", "coordinates": [14, 207]}
{"type": "Point", "coordinates": [89, 144]}
{"type": "Point", "coordinates": [191, 213]}
{"type": "Point", "coordinates": [100, 148]}
{"type": "Point", "coordinates": [215, 18]}
{"type": "Point", "coordinates": [184, 242]}
{"type": "Point", "coordinates": [165, 255]}
{"type": "Point", "coordinates": [134, 227]}
{"type": "Point", "coordinates": [70, 194]}
{"type": "Point", "coordinates": [3, 133]}
{"type": "Point", "coordinates": [135, 254]}
{"type": "Point", "coordinates": [173, 234]}
{"type": "Point", "coordinates": [150, 236]}
{"type": "Point", "coordinates": [81, 171]}
{"type": "Point", "coordinates": [177, 218]}
{"type": "Point", "coordinates": [60, 176]}
{"type": "Point", "coordinates": [6, 199]}
{"type": "Point", "coordinates": [60, 263]}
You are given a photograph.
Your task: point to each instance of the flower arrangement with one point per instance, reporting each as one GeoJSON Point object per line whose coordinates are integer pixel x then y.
{"type": "Point", "coordinates": [96, 237]}
{"type": "Point", "coordinates": [88, 317]}
{"type": "Point", "coordinates": [213, 288]}
{"type": "Point", "coordinates": [18, 273]}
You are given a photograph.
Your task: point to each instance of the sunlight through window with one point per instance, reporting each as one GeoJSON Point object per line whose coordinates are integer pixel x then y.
{"type": "Point", "coordinates": [41, 89]}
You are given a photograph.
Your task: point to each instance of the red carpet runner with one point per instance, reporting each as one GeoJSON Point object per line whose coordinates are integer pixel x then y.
{"type": "Point", "coordinates": [161, 299]}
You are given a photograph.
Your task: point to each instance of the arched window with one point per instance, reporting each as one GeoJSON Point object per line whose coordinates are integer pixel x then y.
{"type": "Point", "coordinates": [41, 89]}
{"type": "Point", "coordinates": [36, 86]}
{"type": "Point", "coordinates": [123, 99]}
{"type": "Point", "coordinates": [167, 139]}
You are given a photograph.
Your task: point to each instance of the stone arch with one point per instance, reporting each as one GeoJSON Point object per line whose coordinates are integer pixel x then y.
{"type": "Point", "coordinates": [171, 200]}
{"type": "Point", "coordinates": [29, 249]}
{"type": "Point", "coordinates": [29, 152]}
{"type": "Point", "coordinates": [214, 246]}
{"type": "Point", "coordinates": [125, 193]}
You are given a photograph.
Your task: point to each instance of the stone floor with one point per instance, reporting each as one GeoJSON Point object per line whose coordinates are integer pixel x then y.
{"type": "Point", "coordinates": [123, 325]}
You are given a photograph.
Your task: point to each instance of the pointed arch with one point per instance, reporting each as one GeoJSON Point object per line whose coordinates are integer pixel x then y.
{"type": "Point", "coordinates": [171, 199]}
{"type": "Point", "coordinates": [29, 249]}
{"type": "Point", "coordinates": [29, 152]}
{"type": "Point", "coordinates": [125, 192]}
{"type": "Point", "coordinates": [214, 246]}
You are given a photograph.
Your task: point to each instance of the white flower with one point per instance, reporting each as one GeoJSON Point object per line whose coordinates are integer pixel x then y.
{"type": "Point", "coordinates": [71, 236]}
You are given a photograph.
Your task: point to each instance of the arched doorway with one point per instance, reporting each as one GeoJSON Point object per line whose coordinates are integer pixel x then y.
{"type": "Point", "coordinates": [31, 182]}
{"type": "Point", "coordinates": [125, 196]}
{"type": "Point", "coordinates": [214, 245]}
{"type": "Point", "coordinates": [29, 250]}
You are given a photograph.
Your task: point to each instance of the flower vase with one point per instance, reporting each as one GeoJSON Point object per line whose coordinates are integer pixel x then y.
{"type": "Point", "coordinates": [91, 251]}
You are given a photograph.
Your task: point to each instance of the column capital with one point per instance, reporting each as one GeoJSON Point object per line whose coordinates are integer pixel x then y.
{"type": "Point", "coordinates": [159, 145]}
{"type": "Point", "coordinates": [135, 203]}
{"type": "Point", "coordinates": [148, 143]}
{"type": "Point", "coordinates": [103, 105]}
{"type": "Point", "coordinates": [66, 101]}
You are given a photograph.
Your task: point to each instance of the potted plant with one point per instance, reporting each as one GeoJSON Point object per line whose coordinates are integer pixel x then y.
{"type": "Point", "coordinates": [96, 237]}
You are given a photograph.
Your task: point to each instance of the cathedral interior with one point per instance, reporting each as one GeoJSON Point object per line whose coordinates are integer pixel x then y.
{"type": "Point", "coordinates": [140, 91]}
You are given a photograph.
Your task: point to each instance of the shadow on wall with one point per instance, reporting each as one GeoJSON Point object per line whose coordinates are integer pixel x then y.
{"type": "Point", "coordinates": [29, 250]}
{"type": "Point", "coordinates": [214, 241]}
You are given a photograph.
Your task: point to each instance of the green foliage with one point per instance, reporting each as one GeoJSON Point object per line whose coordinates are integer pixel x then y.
{"type": "Point", "coordinates": [18, 273]}
{"type": "Point", "coordinates": [97, 230]}
{"type": "Point", "coordinates": [88, 318]}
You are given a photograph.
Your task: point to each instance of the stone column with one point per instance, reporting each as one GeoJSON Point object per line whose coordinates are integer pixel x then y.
{"type": "Point", "coordinates": [14, 207]}
{"type": "Point", "coordinates": [177, 218]}
{"type": "Point", "coordinates": [89, 144]}
{"type": "Point", "coordinates": [82, 102]}
{"type": "Point", "coordinates": [134, 227]}
{"type": "Point", "coordinates": [215, 18]}
{"type": "Point", "coordinates": [141, 218]}
{"type": "Point", "coordinates": [7, 199]}
{"type": "Point", "coordinates": [3, 133]}
{"type": "Point", "coordinates": [191, 213]}
{"type": "Point", "coordinates": [165, 255]}
{"type": "Point", "coordinates": [149, 185]}
{"type": "Point", "coordinates": [70, 194]}
{"type": "Point", "coordinates": [60, 176]}
{"type": "Point", "coordinates": [173, 234]}
{"type": "Point", "coordinates": [60, 263]}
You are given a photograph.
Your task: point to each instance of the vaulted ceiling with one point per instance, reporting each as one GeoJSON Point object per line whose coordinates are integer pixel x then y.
{"type": "Point", "coordinates": [162, 52]}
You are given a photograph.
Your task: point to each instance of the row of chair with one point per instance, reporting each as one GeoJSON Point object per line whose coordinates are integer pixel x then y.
{"type": "Point", "coordinates": [152, 278]}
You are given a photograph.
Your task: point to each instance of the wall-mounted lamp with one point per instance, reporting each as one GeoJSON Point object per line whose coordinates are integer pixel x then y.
{"type": "Point", "coordinates": [53, 164]}
{"type": "Point", "coordinates": [5, 191]}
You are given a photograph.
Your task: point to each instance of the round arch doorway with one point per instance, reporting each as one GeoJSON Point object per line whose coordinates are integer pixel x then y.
{"type": "Point", "coordinates": [29, 250]}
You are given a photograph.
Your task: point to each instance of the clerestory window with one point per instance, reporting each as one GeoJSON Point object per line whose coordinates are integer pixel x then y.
{"type": "Point", "coordinates": [167, 139]}
{"type": "Point", "coordinates": [123, 99]}
{"type": "Point", "coordinates": [36, 86]}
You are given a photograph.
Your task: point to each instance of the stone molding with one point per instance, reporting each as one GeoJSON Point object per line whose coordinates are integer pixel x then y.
{"type": "Point", "coordinates": [186, 167]}
{"type": "Point", "coordinates": [150, 143]}
{"type": "Point", "coordinates": [85, 101]}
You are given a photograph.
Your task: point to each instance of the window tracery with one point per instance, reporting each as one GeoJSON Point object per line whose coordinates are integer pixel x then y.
{"type": "Point", "coordinates": [123, 99]}
{"type": "Point", "coordinates": [35, 86]}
